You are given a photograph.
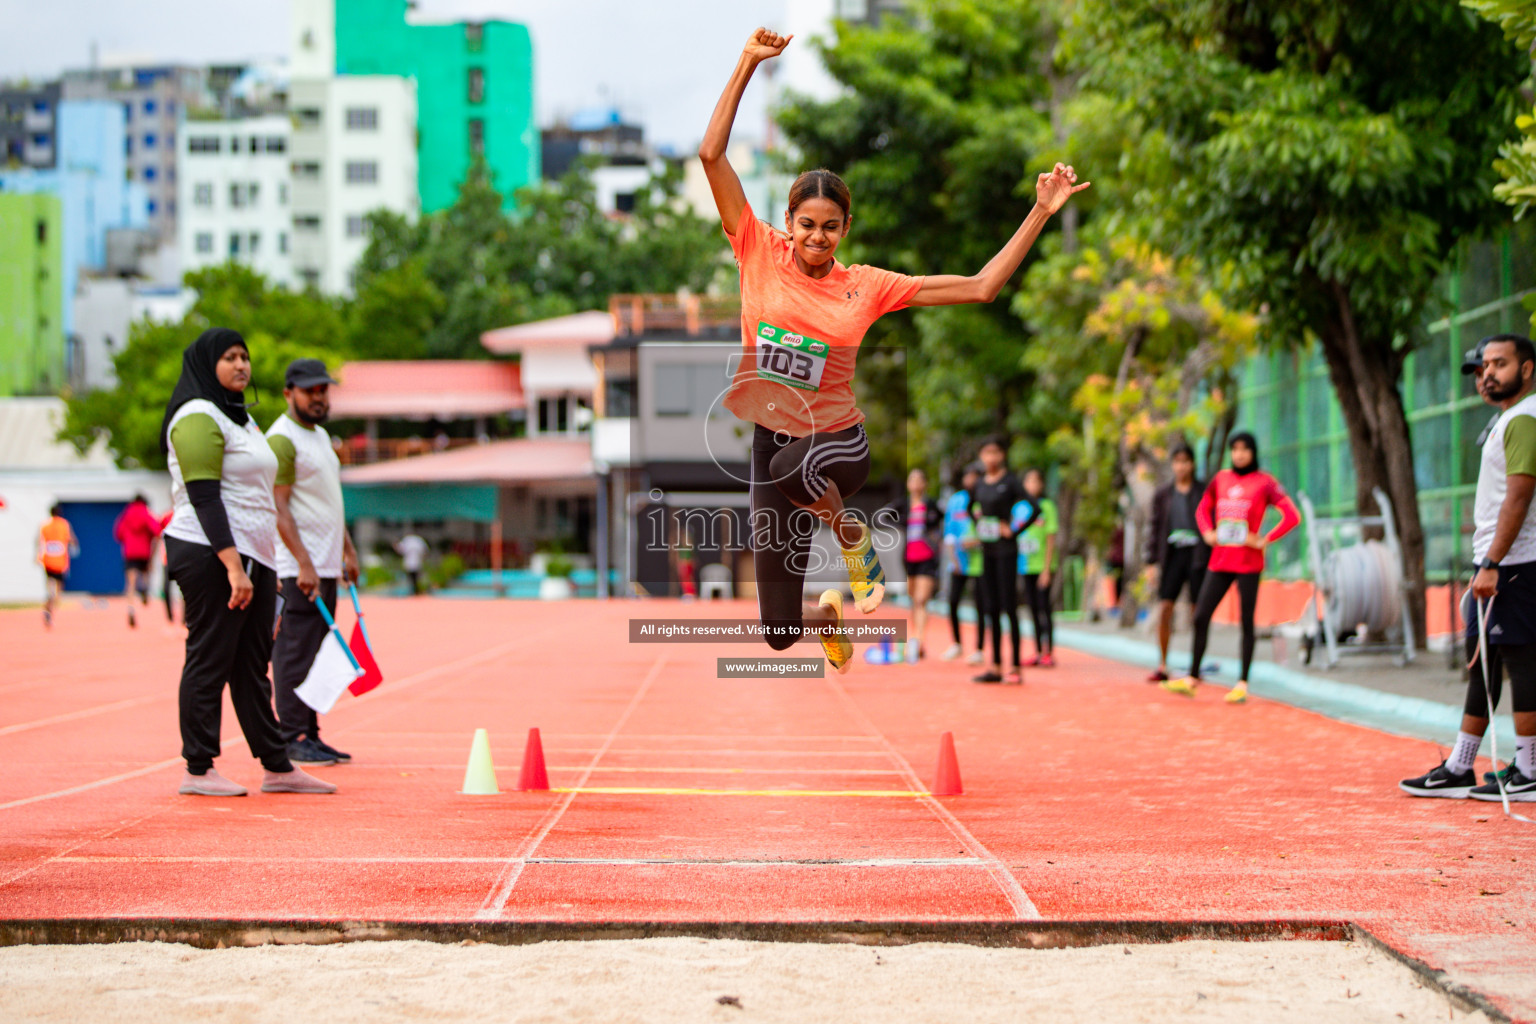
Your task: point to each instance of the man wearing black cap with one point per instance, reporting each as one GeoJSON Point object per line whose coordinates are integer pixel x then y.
{"type": "Point", "coordinates": [315, 551]}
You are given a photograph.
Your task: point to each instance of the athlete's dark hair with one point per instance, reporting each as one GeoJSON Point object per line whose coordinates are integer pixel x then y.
{"type": "Point", "coordinates": [57, 510]}
{"type": "Point", "coordinates": [1525, 352]}
{"type": "Point", "coordinates": [997, 439]}
{"type": "Point", "coordinates": [1182, 449]}
{"type": "Point", "coordinates": [820, 183]}
{"type": "Point", "coordinates": [139, 497]}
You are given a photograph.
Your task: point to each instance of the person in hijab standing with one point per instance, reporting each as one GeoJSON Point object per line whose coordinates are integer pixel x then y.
{"type": "Point", "coordinates": [1229, 517]}
{"type": "Point", "coordinates": [221, 551]}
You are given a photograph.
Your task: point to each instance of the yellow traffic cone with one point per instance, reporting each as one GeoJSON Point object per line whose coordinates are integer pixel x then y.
{"type": "Point", "coordinates": [480, 775]}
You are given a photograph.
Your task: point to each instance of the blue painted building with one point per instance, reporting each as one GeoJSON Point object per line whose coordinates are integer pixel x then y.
{"type": "Point", "coordinates": [90, 178]}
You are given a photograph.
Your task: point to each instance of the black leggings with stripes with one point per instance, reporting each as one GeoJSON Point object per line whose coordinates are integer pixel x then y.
{"type": "Point", "coordinates": [1212, 591]}
{"type": "Point", "coordinates": [788, 474]}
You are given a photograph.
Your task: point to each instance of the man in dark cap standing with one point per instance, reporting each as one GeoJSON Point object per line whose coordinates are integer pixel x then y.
{"type": "Point", "coordinates": [316, 550]}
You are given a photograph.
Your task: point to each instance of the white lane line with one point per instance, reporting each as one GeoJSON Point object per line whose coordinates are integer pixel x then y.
{"type": "Point", "coordinates": [1024, 908]}
{"type": "Point", "coordinates": [71, 716]}
{"type": "Point", "coordinates": [340, 729]}
{"type": "Point", "coordinates": [729, 751]}
{"type": "Point", "coordinates": [148, 769]}
{"type": "Point", "coordinates": [663, 862]}
{"type": "Point", "coordinates": [501, 890]}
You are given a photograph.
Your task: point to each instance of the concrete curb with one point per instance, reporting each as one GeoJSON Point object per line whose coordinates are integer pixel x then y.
{"type": "Point", "coordinates": [1347, 702]}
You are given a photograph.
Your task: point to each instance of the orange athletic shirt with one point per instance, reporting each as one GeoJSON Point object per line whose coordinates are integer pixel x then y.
{"type": "Point", "coordinates": [800, 335]}
{"type": "Point", "coordinates": [56, 545]}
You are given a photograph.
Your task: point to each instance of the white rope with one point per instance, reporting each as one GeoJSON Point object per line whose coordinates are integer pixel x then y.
{"type": "Point", "coordinates": [1483, 611]}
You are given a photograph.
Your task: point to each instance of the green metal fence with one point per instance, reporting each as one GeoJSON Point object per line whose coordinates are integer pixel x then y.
{"type": "Point", "coordinates": [1287, 401]}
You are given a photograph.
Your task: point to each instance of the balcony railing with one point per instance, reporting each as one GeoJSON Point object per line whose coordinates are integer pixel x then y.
{"type": "Point", "coordinates": [356, 451]}
{"type": "Point", "coordinates": [693, 314]}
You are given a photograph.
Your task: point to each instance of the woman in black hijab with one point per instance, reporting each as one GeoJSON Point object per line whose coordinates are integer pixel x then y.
{"type": "Point", "coordinates": [221, 551]}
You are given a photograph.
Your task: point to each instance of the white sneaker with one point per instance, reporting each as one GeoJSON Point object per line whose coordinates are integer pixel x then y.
{"type": "Point", "coordinates": [952, 652]}
{"type": "Point", "coordinates": [914, 650]}
{"type": "Point", "coordinates": [976, 658]}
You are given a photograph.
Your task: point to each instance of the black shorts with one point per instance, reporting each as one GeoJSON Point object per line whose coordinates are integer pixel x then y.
{"type": "Point", "coordinates": [1179, 570]}
{"type": "Point", "coordinates": [59, 576]}
{"type": "Point", "coordinates": [138, 564]}
{"type": "Point", "coordinates": [927, 567]}
{"type": "Point", "coordinates": [1513, 617]}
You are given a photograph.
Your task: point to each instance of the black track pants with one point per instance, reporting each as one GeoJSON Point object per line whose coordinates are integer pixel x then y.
{"type": "Point", "coordinates": [293, 654]}
{"type": "Point", "coordinates": [787, 474]}
{"type": "Point", "coordinates": [999, 576]}
{"type": "Point", "coordinates": [225, 645]}
{"type": "Point", "coordinates": [1211, 592]}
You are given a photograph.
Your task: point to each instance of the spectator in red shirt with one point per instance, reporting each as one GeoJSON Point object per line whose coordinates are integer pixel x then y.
{"type": "Point", "coordinates": [1229, 517]}
{"type": "Point", "coordinates": [136, 531]}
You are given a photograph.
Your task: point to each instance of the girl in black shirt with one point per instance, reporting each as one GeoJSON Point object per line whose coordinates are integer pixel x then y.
{"type": "Point", "coordinates": [992, 507]}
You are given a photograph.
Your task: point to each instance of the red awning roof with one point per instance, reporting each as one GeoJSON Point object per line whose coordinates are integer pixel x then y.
{"type": "Point", "coordinates": [579, 330]}
{"type": "Point", "coordinates": [521, 460]}
{"type": "Point", "coordinates": [443, 389]}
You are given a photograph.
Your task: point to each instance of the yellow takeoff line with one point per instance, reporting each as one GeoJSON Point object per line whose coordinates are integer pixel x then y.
{"type": "Point", "coordinates": [656, 791]}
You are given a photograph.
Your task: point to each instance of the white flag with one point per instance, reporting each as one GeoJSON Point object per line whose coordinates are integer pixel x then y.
{"type": "Point", "coordinates": [330, 675]}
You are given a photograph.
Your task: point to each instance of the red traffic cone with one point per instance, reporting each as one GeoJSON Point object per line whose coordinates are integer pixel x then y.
{"type": "Point", "coordinates": [534, 776]}
{"type": "Point", "coordinates": [947, 776]}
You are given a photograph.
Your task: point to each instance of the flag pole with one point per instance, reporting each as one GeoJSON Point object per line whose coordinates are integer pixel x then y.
{"type": "Point", "coordinates": [358, 608]}
{"type": "Point", "coordinates": [331, 623]}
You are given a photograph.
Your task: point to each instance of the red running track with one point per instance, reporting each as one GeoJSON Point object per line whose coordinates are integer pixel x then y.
{"type": "Point", "coordinates": [1089, 795]}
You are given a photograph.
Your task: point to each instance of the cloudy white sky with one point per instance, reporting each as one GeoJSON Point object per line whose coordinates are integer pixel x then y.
{"type": "Point", "coordinates": [662, 61]}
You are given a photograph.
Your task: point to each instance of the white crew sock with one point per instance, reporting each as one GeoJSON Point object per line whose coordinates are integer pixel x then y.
{"type": "Point", "coordinates": [1465, 754]}
{"type": "Point", "coordinates": [1525, 755]}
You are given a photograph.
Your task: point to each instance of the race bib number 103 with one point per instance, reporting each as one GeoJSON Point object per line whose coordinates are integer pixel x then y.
{"type": "Point", "coordinates": [790, 358]}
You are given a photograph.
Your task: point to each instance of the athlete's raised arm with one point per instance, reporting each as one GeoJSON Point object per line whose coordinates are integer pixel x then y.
{"type": "Point", "coordinates": [1052, 190]}
{"type": "Point", "coordinates": [730, 200]}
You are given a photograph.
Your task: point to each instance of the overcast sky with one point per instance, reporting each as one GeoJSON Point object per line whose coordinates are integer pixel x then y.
{"type": "Point", "coordinates": [662, 61]}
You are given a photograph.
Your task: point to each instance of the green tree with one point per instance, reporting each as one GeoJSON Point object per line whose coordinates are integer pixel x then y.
{"type": "Point", "coordinates": [462, 271]}
{"type": "Point", "coordinates": [1326, 158]}
{"type": "Point", "coordinates": [944, 123]}
{"type": "Point", "coordinates": [1517, 159]}
{"type": "Point", "coordinates": [278, 325]}
{"type": "Point", "coordinates": [1149, 352]}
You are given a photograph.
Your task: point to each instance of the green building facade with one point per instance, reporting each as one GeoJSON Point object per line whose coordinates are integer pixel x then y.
{"type": "Point", "coordinates": [474, 92]}
{"type": "Point", "coordinates": [31, 294]}
{"type": "Point", "coordinates": [1287, 401]}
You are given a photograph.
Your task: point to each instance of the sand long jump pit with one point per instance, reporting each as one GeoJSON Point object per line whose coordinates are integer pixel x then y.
{"type": "Point", "coordinates": [849, 978]}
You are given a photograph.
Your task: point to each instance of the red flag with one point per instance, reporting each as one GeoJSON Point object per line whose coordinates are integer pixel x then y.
{"type": "Point", "coordinates": [371, 676]}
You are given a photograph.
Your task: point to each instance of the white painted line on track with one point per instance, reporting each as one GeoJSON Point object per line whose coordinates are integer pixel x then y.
{"type": "Point", "coordinates": [150, 769]}
{"type": "Point", "coordinates": [661, 862]}
{"type": "Point", "coordinates": [71, 716]}
{"type": "Point", "coordinates": [496, 900]}
{"type": "Point", "coordinates": [1023, 907]}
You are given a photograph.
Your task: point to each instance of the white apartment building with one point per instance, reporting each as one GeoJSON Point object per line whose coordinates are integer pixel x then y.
{"type": "Point", "coordinates": [353, 152]}
{"type": "Point", "coordinates": [233, 195]}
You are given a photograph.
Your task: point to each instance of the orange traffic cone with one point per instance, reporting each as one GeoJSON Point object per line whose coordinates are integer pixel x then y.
{"type": "Point", "coordinates": [534, 776]}
{"type": "Point", "coordinates": [947, 776]}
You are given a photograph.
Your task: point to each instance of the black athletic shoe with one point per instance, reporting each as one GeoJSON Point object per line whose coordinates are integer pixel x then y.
{"type": "Point", "coordinates": [305, 752]}
{"type": "Point", "coordinates": [1442, 782]}
{"type": "Point", "coordinates": [336, 755]}
{"type": "Point", "coordinates": [1517, 787]}
{"type": "Point", "coordinates": [1488, 777]}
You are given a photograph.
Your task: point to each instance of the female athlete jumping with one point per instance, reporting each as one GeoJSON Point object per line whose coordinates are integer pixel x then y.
{"type": "Point", "coordinates": [803, 315]}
